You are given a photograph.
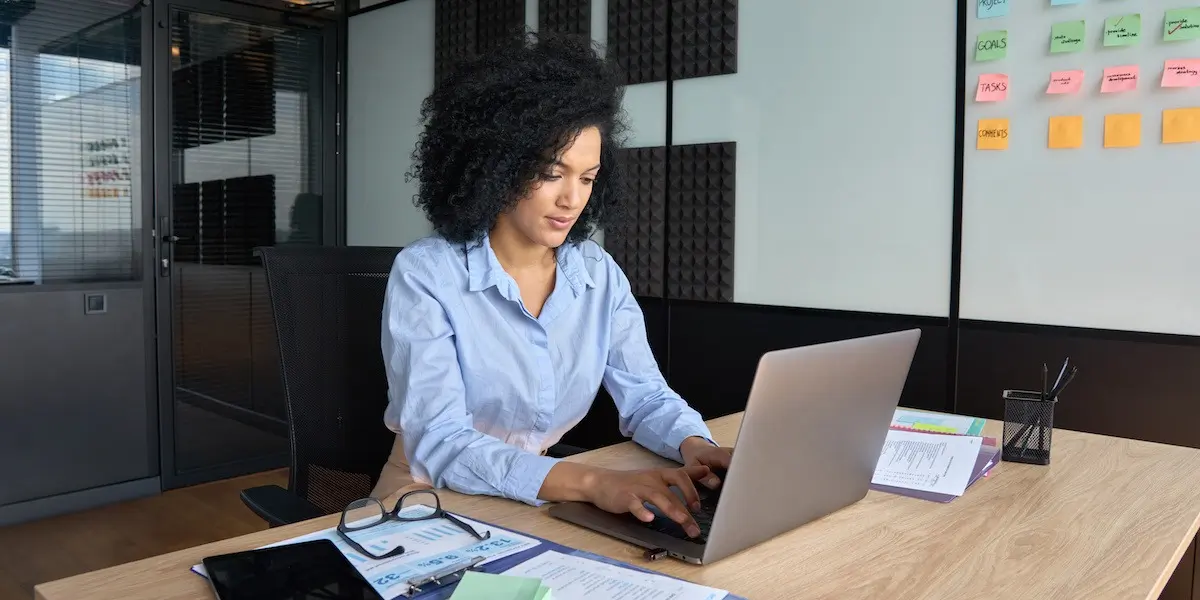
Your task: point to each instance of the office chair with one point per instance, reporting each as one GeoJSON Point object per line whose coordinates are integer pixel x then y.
{"type": "Point", "coordinates": [327, 305]}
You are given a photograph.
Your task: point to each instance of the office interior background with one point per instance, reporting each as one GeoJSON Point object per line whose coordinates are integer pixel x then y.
{"type": "Point", "coordinates": [795, 183]}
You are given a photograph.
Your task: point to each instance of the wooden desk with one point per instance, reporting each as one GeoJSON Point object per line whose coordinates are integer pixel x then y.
{"type": "Point", "coordinates": [1109, 518]}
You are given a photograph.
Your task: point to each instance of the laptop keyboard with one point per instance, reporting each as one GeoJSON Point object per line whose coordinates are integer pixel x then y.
{"type": "Point", "coordinates": [703, 517]}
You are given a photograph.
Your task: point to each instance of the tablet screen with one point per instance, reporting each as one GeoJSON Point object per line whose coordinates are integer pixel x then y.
{"type": "Point", "coordinates": [302, 571]}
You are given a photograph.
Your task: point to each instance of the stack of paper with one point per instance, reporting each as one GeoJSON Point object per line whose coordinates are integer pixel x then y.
{"type": "Point", "coordinates": [578, 578]}
{"type": "Point", "coordinates": [933, 456]}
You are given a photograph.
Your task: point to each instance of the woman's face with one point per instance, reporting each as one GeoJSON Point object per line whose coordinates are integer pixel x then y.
{"type": "Point", "coordinates": [546, 215]}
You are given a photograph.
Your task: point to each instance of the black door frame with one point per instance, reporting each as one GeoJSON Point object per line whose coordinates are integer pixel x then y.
{"type": "Point", "coordinates": [157, 131]}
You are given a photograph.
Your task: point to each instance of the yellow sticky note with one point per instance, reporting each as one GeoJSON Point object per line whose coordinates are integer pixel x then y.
{"type": "Point", "coordinates": [1181, 125]}
{"type": "Point", "coordinates": [992, 134]}
{"type": "Point", "coordinates": [1066, 132]}
{"type": "Point", "coordinates": [1123, 131]}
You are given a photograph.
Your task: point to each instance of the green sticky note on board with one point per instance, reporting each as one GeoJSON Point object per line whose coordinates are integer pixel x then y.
{"type": "Point", "coordinates": [991, 45]}
{"type": "Point", "coordinates": [1123, 30]}
{"type": "Point", "coordinates": [1067, 36]}
{"type": "Point", "coordinates": [1181, 24]}
{"type": "Point", "coordinates": [485, 586]}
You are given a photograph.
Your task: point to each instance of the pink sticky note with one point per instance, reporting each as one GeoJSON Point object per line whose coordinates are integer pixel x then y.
{"type": "Point", "coordinates": [993, 87]}
{"type": "Point", "coordinates": [1119, 79]}
{"type": "Point", "coordinates": [1065, 82]}
{"type": "Point", "coordinates": [1181, 73]}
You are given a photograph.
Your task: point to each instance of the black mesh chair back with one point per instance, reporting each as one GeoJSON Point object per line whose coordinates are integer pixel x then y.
{"type": "Point", "coordinates": [327, 304]}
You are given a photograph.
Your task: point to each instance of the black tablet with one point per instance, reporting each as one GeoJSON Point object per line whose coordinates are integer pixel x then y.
{"type": "Point", "coordinates": [302, 571]}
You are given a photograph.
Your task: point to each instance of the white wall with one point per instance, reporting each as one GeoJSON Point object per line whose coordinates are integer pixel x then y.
{"type": "Point", "coordinates": [389, 73]}
{"type": "Point", "coordinates": [845, 152]}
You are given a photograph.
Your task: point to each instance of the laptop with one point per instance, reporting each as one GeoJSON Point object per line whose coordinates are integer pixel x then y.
{"type": "Point", "coordinates": [811, 435]}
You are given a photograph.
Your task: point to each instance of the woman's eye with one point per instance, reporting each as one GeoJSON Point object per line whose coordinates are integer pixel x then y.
{"type": "Point", "coordinates": [549, 177]}
{"type": "Point", "coordinates": [588, 180]}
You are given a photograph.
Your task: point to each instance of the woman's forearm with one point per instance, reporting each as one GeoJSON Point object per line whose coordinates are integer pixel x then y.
{"type": "Point", "coordinates": [569, 482]}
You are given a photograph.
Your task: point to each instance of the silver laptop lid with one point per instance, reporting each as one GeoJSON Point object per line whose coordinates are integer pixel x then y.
{"type": "Point", "coordinates": [814, 425]}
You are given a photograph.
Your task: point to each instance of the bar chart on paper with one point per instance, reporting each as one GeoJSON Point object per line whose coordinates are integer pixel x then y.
{"type": "Point", "coordinates": [926, 461]}
{"type": "Point", "coordinates": [913, 420]}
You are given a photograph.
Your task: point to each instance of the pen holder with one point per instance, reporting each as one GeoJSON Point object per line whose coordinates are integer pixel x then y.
{"type": "Point", "coordinates": [1028, 424]}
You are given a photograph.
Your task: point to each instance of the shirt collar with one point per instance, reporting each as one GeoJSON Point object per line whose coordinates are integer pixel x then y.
{"type": "Point", "coordinates": [484, 269]}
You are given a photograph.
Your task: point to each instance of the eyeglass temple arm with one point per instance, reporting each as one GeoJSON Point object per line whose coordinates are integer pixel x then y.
{"type": "Point", "coordinates": [465, 527]}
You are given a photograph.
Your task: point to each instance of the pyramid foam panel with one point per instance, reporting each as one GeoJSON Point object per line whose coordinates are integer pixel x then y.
{"type": "Point", "coordinates": [700, 213]}
{"type": "Point", "coordinates": [498, 22]}
{"type": "Point", "coordinates": [703, 38]}
{"type": "Point", "coordinates": [454, 25]}
{"type": "Point", "coordinates": [637, 39]}
{"type": "Point", "coordinates": [565, 16]}
{"type": "Point", "coordinates": [639, 247]}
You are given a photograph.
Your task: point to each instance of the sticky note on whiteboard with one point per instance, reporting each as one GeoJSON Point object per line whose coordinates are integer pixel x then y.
{"type": "Point", "coordinates": [1122, 30]}
{"type": "Point", "coordinates": [1066, 132]}
{"type": "Point", "coordinates": [1181, 73]}
{"type": "Point", "coordinates": [1123, 130]}
{"type": "Point", "coordinates": [1119, 79]}
{"type": "Point", "coordinates": [1063, 2]}
{"type": "Point", "coordinates": [1181, 24]}
{"type": "Point", "coordinates": [993, 87]}
{"type": "Point", "coordinates": [1065, 82]}
{"type": "Point", "coordinates": [987, 9]}
{"type": "Point", "coordinates": [992, 134]}
{"type": "Point", "coordinates": [1181, 125]}
{"type": "Point", "coordinates": [1067, 36]}
{"type": "Point", "coordinates": [991, 45]}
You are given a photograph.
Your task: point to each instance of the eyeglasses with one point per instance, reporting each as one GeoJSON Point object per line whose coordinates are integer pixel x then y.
{"type": "Point", "coordinates": [369, 512]}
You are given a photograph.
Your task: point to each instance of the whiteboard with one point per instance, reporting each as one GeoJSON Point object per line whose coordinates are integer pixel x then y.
{"type": "Point", "coordinates": [845, 135]}
{"type": "Point", "coordinates": [1087, 236]}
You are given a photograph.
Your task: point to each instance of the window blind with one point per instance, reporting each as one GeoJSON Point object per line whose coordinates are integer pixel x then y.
{"type": "Point", "coordinates": [70, 189]}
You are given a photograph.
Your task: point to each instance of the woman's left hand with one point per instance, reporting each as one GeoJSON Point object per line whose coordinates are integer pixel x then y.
{"type": "Point", "coordinates": [699, 451]}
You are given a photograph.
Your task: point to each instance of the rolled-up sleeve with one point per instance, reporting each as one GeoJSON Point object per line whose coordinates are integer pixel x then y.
{"type": "Point", "coordinates": [427, 404]}
{"type": "Point", "coordinates": [650, 411]}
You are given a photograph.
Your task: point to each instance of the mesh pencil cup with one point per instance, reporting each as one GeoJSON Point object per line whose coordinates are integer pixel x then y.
{"type": "Point", "coordinates": [1028, 424]}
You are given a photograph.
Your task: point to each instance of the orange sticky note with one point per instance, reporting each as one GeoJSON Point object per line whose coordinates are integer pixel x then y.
{"type": "Point", "coordinates": [1119, 79]}
{"type": "Point", "coordinates": [1181, 73]}
{"type": "Point", "coordinates": [993, 87]}
{"type": "Point", "coordinates": [1066, 132]}
{"type": "Point", "coordinates": [1181, 125]}
{"type": "Point", "coordinates": [1065, 82]}
{"type": "Point", "coordinates": [1123, 131]}
{"type": "Point", "coordinates": [992, 134]}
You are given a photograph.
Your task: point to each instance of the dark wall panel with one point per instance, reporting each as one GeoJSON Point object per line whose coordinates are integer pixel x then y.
{"type": "Point", "coordinates": [565, 16]}
{"type": "Point", "coordinates": [637, 39]}
{"type": "Point", "coordinates": [1141, 389]}
{"type": "Point", "coordinates": [639, 247]}
{"type": "Point", "coordinates": [74, 403]}
{"type": "Point", "coordinates": [454, 26]}
{"type": "Point", "coordinates": [700, 213]}
{"type": "Point", "coordinates": [715, 348]}
{"type": "Point", "coordinates": [704, 37]}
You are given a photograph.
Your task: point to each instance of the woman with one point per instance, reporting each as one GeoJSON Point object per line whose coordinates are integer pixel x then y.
{"type": "Point", "coordinates": [501, 326]}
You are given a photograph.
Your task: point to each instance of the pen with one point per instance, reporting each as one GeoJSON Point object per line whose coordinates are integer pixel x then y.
{"type": "Point", "coordinates": [1043, 382]}
{"type": "Point", "coordinates": [1061, 372]}
{"type": "Point", "coordinates": [1058, 389]}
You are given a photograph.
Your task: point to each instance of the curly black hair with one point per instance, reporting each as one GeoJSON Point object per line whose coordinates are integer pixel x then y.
{"type": "Point", "coordinates": [501, 119]}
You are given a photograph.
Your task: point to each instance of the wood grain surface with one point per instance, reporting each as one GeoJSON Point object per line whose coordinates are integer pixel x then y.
{"type": "Point", "coordinates": [1109, 518]}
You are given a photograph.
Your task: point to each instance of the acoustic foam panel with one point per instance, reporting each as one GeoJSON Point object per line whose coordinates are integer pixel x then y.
{"type": "Point", "coordinates": [637, 39]}
{"type": "Point", "coordinates": [454, 29]}
{"type": "Point", "coordinates": [565, 16]}
{"type": "Point", "coordinates": [497, 22]}
{"type": "Point", "coordinates": [639, 247]}
{"type": "Point", "coordinates": [703, 38]}
{"type": "Point", "coordinates": [700, 213]}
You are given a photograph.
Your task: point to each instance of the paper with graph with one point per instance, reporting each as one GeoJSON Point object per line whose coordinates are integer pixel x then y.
{"type": "Point", "coordinates": [914, 420]}
{"type": "Point", "coordinates": [429, 546]}
{"type": "Point", "coordinates": [929, 462]}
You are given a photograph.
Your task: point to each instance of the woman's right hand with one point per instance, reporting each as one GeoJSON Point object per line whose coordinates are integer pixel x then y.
{"type": "Point", "coordinates": [629, 491]}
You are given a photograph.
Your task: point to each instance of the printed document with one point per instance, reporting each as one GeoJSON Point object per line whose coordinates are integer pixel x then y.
{"type": "Point", "coordinates": [429, 545]}
{"type": "Point", "coordinates": [928, 462]}
{"type": "Point", "coordinates": [577, 578]}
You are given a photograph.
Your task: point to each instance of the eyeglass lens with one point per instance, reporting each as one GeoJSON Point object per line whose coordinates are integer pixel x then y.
{"type": "Point", "coordinates": [363, 513]}
{"type": "Point", "coordinates": [418, 505]}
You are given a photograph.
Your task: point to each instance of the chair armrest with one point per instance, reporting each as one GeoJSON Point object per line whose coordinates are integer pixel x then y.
{"type": "Point", "coordinates": [563, 450]}
{"type": "Point", "coordinates": [278, 506]}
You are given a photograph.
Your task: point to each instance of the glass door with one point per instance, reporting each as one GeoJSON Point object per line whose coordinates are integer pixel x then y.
{"type": "Point", "coordinates": [244, 107]}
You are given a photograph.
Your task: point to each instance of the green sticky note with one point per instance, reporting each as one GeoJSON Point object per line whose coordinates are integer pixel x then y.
{"type": "Point", "coordinates": [1067, 36]}
{"type": "Point", "coordinates": [1124, 30]}
{"type": "Point", "coordinates": [991, 45]}
{"type": "Point", "coordinates": [485, 586]}
{"type": "Point", "coordinates": [1181, 24]}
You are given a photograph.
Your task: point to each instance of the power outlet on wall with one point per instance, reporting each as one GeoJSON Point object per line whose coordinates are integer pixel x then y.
{"type": "Point", "coordinates": [95, 304]}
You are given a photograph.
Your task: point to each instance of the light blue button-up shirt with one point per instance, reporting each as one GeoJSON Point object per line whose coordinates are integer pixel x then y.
{"type": "Point", "coordinates": [478, 387]}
